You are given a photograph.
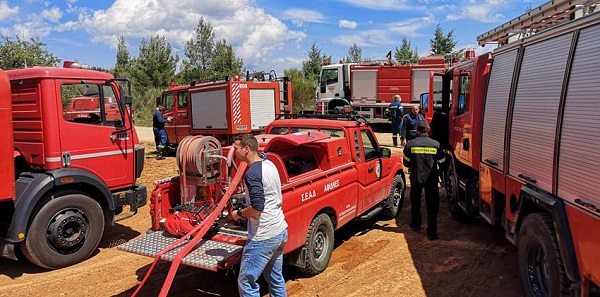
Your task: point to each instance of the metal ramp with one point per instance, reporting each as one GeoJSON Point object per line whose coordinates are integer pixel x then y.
{"type": "Point", "coordinates": [207, 254]}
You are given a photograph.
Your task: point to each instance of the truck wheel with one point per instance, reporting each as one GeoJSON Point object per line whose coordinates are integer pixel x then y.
{"type": "Point", "coordinates": [542, 270]}
{"type": "Point", "coordinates": [318, 245]}
{"type": "Point", "coordinates": [394, 201]}
{"type": "Point", "coordinates": [65, 231]}
{"type": "Point", "coordinates": [452, 193]}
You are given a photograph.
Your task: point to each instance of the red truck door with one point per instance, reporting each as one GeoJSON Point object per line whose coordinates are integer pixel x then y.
{"type": "Point", "coordinates": [181, 122]}
{"type": "Point", "coordinates": [369, 170]}
{"type": "Point", "coordinates": [460, 115]}
{"type": "Point", "coordinates": [98, 143]}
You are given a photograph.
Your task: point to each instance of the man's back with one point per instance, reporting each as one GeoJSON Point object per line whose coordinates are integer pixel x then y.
{"type": "Point", "coordinates": [262, 180]}
{"type": "Point", "coordinates": [422, 154]}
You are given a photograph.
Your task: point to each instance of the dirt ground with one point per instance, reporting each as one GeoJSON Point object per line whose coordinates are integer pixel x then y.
{"type": "Point", "coordinates": [373, 258]}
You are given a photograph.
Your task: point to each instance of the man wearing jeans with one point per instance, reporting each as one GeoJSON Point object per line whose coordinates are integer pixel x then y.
{"type": "Point", "coordinates": [267, 229]}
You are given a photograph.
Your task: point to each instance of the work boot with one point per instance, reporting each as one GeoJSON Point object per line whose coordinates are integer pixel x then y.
{"type": "Point", "coordinates": [395, 141]}
{"type": "Point", "coordinates": [160, 153]}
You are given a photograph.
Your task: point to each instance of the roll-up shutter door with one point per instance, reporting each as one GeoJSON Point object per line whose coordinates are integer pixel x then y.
{"type": "Point", "coordinates": [579, 160]}
{"type": "Point", "coordinates": [209, 110]}
{"type": "Point", "coordinates": [496, 105]}
{"type": "Point", "coordinates": [262, 107]}
{"type": "Point", "coordinates": [536, 110]}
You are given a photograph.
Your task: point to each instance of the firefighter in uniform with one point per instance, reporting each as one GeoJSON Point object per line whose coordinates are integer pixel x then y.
{"type": "Point", "coordinates": [409, 124]}
{"type": "Point", "coordinates": [395, 113]}
{"type": "Point", "coordinates": [421, 156]}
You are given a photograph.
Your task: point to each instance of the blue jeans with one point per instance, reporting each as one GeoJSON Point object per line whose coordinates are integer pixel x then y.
{"type": "Point", "coordinates": [160, 137]}
{"type": "Point", "coordinates": [264, 257]}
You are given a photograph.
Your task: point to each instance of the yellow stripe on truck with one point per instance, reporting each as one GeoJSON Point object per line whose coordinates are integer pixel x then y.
{"type": "Point", "coordinates": [423, 150]}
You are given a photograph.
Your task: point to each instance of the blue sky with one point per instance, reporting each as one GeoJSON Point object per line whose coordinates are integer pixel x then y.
{"type": "Point", "coordinates": [266, 34]}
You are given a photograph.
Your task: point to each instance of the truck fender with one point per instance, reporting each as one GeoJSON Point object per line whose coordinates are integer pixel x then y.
{"type": "Point", "coordinates": [32, 187]}
{"type": "Point", "coordinates": [532, 200]}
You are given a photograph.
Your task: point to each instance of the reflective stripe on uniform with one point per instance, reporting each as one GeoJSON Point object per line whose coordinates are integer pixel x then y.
{"type": "Point", "coordinates": [423, 150]}
{"type": "Point", "coordinates": [406, 158]}
{"type": "Point", "coordinates": [442, 160]}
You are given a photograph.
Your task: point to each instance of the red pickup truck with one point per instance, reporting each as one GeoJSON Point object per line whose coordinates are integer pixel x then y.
{"type": "Point", "coordinates": [332, 172]}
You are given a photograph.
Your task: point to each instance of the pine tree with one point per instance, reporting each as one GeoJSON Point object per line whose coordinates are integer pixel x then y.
{"type": "Point", "coordinates": [123, 59]}
{"type": "Point", "coordinates": [354, 54]}
{"type": "Point", "coordinates": [440, 44]}
{"type": "Point", "coordinates": [155, 65]}
{"type": "Point", "coordinates": [405, 55]}
{"type": "Point", "coordinates": [199, 52]}
{"type": "Point", "coordinates": [224, 60]}
{"type": "Point", "coordinates": [312, 66]}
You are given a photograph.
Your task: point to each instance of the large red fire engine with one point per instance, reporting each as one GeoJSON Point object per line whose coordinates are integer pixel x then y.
{"type": "Point", "coordinates": [224, 108]}
{"type": "Point", "coordinates": [68, 176]}
{"type": "Point", "coordinates": [521, 128]}
{"type": "Point", "coordinates": [332, 171]}
{"type": "Point", "coordinates": [369, 86]}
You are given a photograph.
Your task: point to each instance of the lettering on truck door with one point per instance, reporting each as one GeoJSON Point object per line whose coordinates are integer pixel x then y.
{"type": "Point", "coordinates": [369, 171]}
{"type": "Point", "coordinates": [94, 143]}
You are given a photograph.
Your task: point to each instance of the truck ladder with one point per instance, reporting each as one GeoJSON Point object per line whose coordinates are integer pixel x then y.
{"type": "Point", "coordinates": [190, 249]}
{"type": "Point", "coordinates": [535, 20]}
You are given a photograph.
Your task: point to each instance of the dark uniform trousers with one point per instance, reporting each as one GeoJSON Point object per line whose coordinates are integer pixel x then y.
{"type": "Point", "coordinates": [422, 156]}
{"type": "Point", "coordinates": [432, 203]}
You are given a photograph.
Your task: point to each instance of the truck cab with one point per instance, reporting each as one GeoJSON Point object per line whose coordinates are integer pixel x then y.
{"type": "Point", "coordinates": [76, 160]}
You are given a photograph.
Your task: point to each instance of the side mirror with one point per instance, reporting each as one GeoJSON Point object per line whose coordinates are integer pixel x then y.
{"type": "Point", "coordinates": [385, 152]}
{"type": "Point", "coordinates": [424, 101]}
{"type": "Point", "coordinates": [128, 100]}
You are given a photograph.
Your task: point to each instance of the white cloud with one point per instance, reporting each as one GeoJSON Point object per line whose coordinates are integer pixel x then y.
{"type": "Point", "coordinates": [300, 16]}
{"type": "Point", "coordinates": [253, 33]}
{"type": "Point", "coordinates": [6, 11]}
{"type": "Point", "coordinates": [53, 15]}
{"type": "Point", "coordinates": [380, 4]}
{"type": "Point", "coordinates": [347, 24]}
{"type": "Point", "coordinates": [411, 27]}
{"type": "Point", "coordinates": [486, 12]}
{"type": "Point", "coordinates": [392, 34]}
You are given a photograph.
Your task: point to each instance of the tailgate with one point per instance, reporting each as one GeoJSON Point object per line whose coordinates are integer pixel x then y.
{"type": "Point", "coordinates": [208, 254]}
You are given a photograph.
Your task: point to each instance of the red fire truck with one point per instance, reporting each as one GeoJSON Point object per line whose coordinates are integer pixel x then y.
{"type": "Point", "coordinates": [222, 109]}
{"type": "Point", "coordinates": [369, 86]}
{"type": "Point", "coordinates": [521, 128]}
{"type": "Point", "coordinates": [68, 177]}
{"type": "Point", "coordinates": [330, 175]}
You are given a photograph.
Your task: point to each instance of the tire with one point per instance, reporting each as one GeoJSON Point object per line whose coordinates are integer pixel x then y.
{"type": "Point", "coordinates": [74, 215]}
{"type": "Point", "coordinates": [540, 264]}
{"type": "Point", "coordinates": [393, 203]}
{"type": "Point", "coordinates": [452, 193]}
{"type": "Point", "coordinates": [318, 245]}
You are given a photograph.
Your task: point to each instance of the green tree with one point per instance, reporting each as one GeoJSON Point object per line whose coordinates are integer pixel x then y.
{"type": "Point", "coordinates": [123, 60]}
{"type": "Point", "coordinates": [155, 65]}
{"type": "Point", "coordinates": [354, 54]}
{"type": "Point", "coordinates": [20, 53]}
{"type": "Point", "coordinates": [312, 66]}
{"type": "Point", "coordinates": [405, 55]}
{"type": "Point", "coordinates": [440, 44]}
{"type": "Point", "coordinates": [303, 90]}
{"type": "Point", "coordinates": [199, 53]}
{"type": "Point", "coordinates": [225, 63]}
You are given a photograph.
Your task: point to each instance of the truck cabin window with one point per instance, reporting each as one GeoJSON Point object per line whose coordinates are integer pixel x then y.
{"type": "Point", "coordinates": [369, 145]}
{"type": "Point", "coordinates": [168, 101]}
{"type": "Point", "coordinates": [92, 104]}
{"type": "Point", "coordinates": [463, 96]}
{"type": "Point", "coordinates": [182, 99]}
{"type": "Point", "coordinates": [328, 77]}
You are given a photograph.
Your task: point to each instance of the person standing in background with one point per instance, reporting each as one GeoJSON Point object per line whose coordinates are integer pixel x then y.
{"type": "Point", "coordinates": [395, 113]}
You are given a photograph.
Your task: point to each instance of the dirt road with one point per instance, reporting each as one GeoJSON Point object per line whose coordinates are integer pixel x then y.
{"type": "Point", "coordinates": [373, 258]}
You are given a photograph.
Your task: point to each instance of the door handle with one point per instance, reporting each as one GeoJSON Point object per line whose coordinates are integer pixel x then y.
{"type": "Point", "coordinates": [527, 178]}
{"type": "Point", "coordinates": [587, 205]}
{"type": "Point", "coordinates": [370, 169]}
{"type": "Point", "coordinates": [491, 162]}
